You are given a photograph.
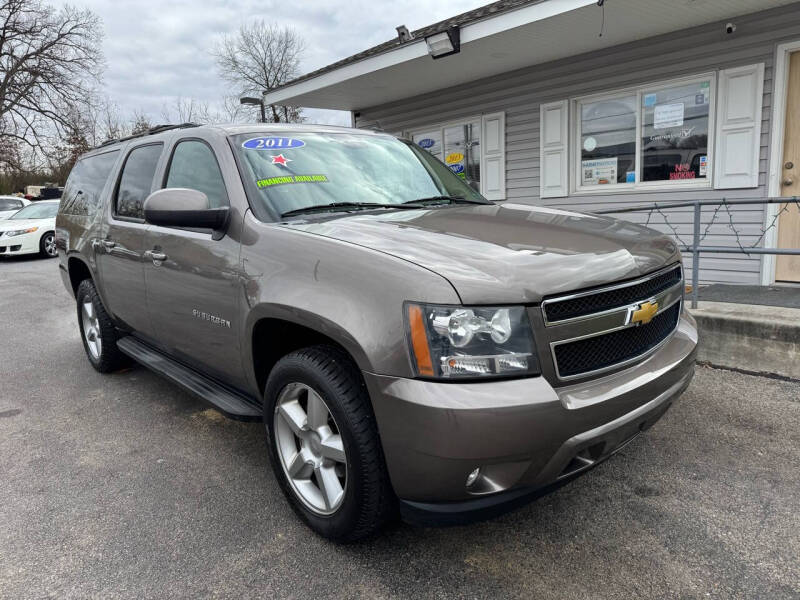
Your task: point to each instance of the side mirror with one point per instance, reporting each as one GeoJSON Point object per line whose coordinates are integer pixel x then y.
{"type": "Point", "coordinates": [182, 207]}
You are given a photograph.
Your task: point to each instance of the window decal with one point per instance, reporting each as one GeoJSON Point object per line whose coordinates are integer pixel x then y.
{"type": "Point", "coordinates": [270, 181]}
{"type": "Point", "coordinates": [280, 160]}
{"type": "Point", "coordinates": [272, 143]}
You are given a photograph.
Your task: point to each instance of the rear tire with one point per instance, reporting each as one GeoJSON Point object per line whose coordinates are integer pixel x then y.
{"type": "Point", "coordinates": [98, 333]}
{"type": "Point", "coordinates": [362, 501]}
{"type": "Point", "coordinates": [47, 245]}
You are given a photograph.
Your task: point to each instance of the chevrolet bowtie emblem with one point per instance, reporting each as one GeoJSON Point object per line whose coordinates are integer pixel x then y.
{"type": "Point", "coordinates": [643, 313]}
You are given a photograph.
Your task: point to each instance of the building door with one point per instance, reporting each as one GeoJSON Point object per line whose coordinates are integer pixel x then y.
{"type": "Point", "coordinates": [788, 267]}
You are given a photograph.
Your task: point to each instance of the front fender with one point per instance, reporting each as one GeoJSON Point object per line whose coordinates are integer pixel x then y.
{"type": "Point", "coordinates": [347, 292]}
{"type": "Point", "coordinates": [305, 318]}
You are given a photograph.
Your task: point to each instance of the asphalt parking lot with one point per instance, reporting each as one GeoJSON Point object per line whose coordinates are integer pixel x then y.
{"type": "Point", "coordinates": [124, 486]}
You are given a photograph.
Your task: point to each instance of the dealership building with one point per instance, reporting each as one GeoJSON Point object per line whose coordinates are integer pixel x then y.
{"type": "Point", "coordinates": [587, 105]}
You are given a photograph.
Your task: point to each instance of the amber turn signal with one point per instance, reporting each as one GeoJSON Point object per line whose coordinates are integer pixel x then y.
{"type": "Point", "coordinates": [419, 340]}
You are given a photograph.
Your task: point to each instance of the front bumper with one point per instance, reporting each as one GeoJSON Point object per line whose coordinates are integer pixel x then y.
{"type": "Point", "coordinates": [27, 243]}
{"type": "Point", "coordinates": [525, 435]}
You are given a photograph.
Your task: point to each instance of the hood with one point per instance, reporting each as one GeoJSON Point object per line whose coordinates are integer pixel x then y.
{"type": "Point", "coordinates": [506, 253]}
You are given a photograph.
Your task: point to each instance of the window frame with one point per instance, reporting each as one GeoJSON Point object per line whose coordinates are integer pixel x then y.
{"type": "Point", "coordinates": [168, 166]}
{"type": "Point", "coordinates": [638, 91]}
{"type": "Point", "coordinates": [115, 191]}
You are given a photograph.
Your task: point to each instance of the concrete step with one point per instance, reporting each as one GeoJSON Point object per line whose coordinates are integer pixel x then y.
{"type": "Point", "coordinates": [761, 339]}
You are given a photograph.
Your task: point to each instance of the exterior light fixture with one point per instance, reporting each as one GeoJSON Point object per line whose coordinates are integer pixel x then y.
{"type": "Point", "coordinates": [256, 102]}
{"type": "Point", "coordinates": [444, 43]}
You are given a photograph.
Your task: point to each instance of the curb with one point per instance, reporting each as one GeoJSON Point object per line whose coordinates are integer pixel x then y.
{"type": "Point", "coordinates": [755, 338]}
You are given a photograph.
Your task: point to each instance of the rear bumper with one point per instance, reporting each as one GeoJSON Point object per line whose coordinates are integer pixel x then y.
{"type": "Point", "coordinates": [526, 436]}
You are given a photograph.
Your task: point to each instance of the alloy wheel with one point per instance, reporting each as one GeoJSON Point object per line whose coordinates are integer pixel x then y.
{"type": "Point", "coordinates": [50, 245]}
{"type": "Point", "coordinates": [91, 329]}
{"type": "Point", "coordinates": [310, 448]}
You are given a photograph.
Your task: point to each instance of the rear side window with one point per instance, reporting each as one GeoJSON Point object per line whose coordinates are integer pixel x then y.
{"type": "Point", "coordinates": [137, 181]}
{"type": "Point", "coordinates": [81, 194]}
{"type": "Point", "coordinates": [194, 166]}
{"type": "Point", "coordinates": [9, 204]}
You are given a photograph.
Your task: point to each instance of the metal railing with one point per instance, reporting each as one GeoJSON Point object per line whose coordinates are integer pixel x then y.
{"type": "Point", "coordinates": [697, 237]}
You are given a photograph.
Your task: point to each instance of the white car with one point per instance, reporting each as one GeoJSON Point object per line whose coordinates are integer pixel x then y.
{"type": "Point", "coordinates": [11, 204]}
{"type": "Point", "coordinates": [30, 230]}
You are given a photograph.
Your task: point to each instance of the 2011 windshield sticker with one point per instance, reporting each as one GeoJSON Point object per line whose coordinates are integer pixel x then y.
{"type": "Point", "coordinates": [270, 181]}
{"type": "Point", "coordinates": [272, 143]}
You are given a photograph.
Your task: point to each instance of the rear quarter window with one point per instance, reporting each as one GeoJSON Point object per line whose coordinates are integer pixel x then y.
{"type": "Point", "coordinates": [82, 192]}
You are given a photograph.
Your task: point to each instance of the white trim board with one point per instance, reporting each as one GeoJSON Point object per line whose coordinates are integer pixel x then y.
{"type": "Point", "coordinates": [777, 123]}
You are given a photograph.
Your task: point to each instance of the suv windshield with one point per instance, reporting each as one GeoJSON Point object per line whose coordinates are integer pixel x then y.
{"type": "Point", "coordinates": [42, 210]}
{"type": "Point", "coordinates": [295, 171]}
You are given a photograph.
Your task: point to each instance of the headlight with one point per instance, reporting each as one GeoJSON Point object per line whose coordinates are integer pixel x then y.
{"type": "Point", "coordinates": [459, 342]}
{"type": "Point", "coordinates": [20, 231]}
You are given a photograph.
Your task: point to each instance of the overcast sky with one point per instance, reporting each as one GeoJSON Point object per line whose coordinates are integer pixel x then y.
{"type": "Point", "coordinates": [156, 50]}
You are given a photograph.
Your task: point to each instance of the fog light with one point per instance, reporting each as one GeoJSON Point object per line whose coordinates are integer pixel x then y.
{"type": "Point", "coordinates": [473, 477]}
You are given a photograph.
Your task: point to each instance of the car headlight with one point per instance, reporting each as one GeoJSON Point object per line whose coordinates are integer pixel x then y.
{"type": "Point", "coordinates": [19, 231]}
{"type": "Point", "coordinates": [466, 342]}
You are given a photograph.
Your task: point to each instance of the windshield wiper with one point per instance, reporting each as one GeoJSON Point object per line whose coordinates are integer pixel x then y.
{"type": "Point", "coordinates": [341, 205]}
{"type": "Point", "coordinates": [446, 200]}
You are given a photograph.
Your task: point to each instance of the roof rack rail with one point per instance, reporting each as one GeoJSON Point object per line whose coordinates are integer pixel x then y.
{"type": "Point", "coordinates": [151, 131]}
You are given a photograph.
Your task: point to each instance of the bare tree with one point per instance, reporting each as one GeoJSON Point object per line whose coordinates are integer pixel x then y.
{"type": "Point", "coordinates": [109, 123]}
{"type": "Point", "coordinates": [186, 110]}
{"type": "Point", "coordinates": [260, 57]}
{"type": "Point", "coordinates": [233, 111]}
{"type": "Point", "coordinates": [141, 123]}
{"type": "Point", "coordinates": [48, 65]}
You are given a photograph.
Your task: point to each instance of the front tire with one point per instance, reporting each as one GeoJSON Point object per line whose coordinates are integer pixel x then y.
{"type": "Point", "coordinates": [324, 445]}
{"type": "Point", "coordinates": [47, 245]}
{"type": "Point", "coordinates": [97, 330]}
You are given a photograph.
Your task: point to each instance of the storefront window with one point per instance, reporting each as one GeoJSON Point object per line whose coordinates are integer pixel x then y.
{"type": "Point", "coordinates": [608, 141]}
{"type": "Point", "coordinates": [675, 132]}
{"type": "Point", "coordinates": [430, 141]}
{"type": "Point", "coordinates": [656, 134]}
{"type": "Point", "coordinates": [455, 144]}
{"type": "Point", "coordinates": [462, 150]}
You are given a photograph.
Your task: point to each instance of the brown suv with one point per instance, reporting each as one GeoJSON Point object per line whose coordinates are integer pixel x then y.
{"type": "Point", "coordinates": [413, 348]}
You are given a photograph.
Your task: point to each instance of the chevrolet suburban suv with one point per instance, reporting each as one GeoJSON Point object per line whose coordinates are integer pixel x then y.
{"type": "Point", "coordinates": [413, 349]}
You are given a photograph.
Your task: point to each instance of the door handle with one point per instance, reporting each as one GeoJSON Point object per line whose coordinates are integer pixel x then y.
{"type": "Point", "coordinates": [107, 245]}
{"type": "Point", "coordinates": [155, 256]}
{"type": "Point", "coordinates": [788, 181]}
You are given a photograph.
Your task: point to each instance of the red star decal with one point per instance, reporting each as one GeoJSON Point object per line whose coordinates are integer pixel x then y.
{"type": "Point", "coordinates": [280, 160]}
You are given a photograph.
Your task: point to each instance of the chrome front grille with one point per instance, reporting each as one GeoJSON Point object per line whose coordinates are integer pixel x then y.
{"type": "Point", "coordinates": [575, 306]}
{"type": "Point", "coordinates": [595, 331]}
{"type": "Point", "coordinates": [615, 348]}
